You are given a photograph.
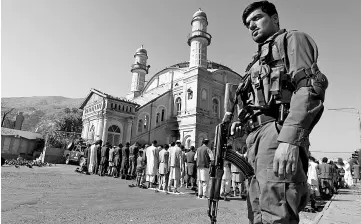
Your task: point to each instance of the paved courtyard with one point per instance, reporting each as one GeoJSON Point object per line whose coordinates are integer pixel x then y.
{"type": "Point", "coordinates": [59, 195]}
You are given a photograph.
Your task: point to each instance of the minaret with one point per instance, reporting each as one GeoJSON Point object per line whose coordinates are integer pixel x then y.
{"type": "Point", "coordinates": [139, 70]}
{"type": "Point", "coordinates": [198, 40]}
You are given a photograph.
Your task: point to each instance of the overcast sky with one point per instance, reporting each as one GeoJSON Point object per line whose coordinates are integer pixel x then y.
{"type": "Point", "coordinates": [66, 47]}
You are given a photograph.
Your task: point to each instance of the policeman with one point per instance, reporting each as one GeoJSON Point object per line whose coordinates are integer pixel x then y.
{"type": "Point", "coordinates": [280, 100]}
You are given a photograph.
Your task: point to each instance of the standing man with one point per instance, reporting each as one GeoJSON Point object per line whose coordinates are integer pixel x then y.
{"type": "Point", "coordinates": [151, 154]}
{"type": "Point", "coordinates": [282, 94]}
{"type": "Point", "coordinates": [326, 176]}
{"type": "Point", "coordinates": [111, 160]}
{"type": "Point", "coordinates": [125, 161]}
{"type": "Point", "coordinates": [203, 156]}
{"type": "Point", "coordinates": [116, 159]}
{"type": "Point", "coordinates": [133, 152]}
{"type": "Point", "coordinates": [163, 168]}
{"type": "Point", "coordinates": [175, 166]}
{"type": "Point", "coordinates": [103, 158]}
{"type": "Point", "coordinates": [191, 168]}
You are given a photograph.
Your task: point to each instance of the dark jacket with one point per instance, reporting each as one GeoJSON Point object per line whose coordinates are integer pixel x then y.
{"type": "Point", "coordinates": [190, 157]}
{"type": "Point", "coordinates": [203, 158]}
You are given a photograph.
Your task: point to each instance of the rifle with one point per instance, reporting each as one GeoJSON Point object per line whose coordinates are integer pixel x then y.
{"type": "Point", "coordinates": [222, 151]}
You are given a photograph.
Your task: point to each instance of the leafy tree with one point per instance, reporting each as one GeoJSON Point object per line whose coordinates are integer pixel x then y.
{"type": "Point", "coordinates": [62, 128]}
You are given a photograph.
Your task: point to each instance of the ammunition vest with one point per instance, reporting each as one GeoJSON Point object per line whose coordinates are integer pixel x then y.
{"type": "Point", "coordinates": [270, 81]}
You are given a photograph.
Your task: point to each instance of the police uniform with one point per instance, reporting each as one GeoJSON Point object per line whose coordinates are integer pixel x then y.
{"type": "Point", "coordinates": [282, 97]}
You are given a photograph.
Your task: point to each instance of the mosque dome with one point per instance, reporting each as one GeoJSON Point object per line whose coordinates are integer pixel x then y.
{"type": "Point", "coordinates": [199, 13]}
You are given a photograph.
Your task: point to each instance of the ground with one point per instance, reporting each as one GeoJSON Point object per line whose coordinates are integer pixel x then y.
{"type": "Point", "coordinates": [57, 194]}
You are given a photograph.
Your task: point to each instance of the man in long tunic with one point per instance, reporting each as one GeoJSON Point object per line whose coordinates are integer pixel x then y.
{"type": "Point", "coordinates": [163, 168]}
{"type": "Point", "coordinates": [191, 168]}
{"type": "Point", "coordinates": [203, 157]}
{"type": "Point", "coordinates": [104, 159]}
{"type": "Point", "coordinates": [111, 161]}
{"type": "Point", "coordinates": [152, 163]}
{"type": "Point", "coordinates": [117, 160]}
{"type": "Point", "coordinates": [94, 156]}
{"type": "Point", "coordinates": [175, 165]}
{"type": "Point", "coordinates": [125, 161]}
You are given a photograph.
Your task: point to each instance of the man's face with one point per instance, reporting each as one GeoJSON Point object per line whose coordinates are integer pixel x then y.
{"type": "Point", "coordinates": [261, 26]}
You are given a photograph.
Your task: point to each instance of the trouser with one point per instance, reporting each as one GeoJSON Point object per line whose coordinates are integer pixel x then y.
{"type": "Point", "coordinates": [166, 181]}
{"type": "Point", "coordinates": [162, 181]}
{"type": "Point", "coordinates": [239, 185]}
{"type": "Point", "coordinates": [202, 188]}
{"type": "Point", "coordinates": [102, 169]}
{"type": "Point", "coordinates": [171, 182]}
{"type": "Point", "coordinates": [115, 171]}
{"type": "Point", "coordinates": [270, 198]}
{"type": "Point", "coordinates": [132, 165]}
{"type": "Point", "coordinates": [226, 186]}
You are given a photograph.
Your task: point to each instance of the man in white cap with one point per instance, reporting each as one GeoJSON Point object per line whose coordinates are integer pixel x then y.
{"type": "Point", "coordinates": [175, 165]}
{"type": "Point", "coordinates": [203, 158]}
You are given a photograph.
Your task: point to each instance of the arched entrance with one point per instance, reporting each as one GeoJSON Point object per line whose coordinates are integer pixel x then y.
{"type": "Point", "coordinates": [113, 135]}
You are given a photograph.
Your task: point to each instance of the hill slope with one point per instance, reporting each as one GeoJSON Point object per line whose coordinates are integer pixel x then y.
{"type": "Point", "coordinates": [37, 108]}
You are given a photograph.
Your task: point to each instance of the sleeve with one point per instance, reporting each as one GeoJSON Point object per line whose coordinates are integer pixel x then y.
{"type": "Point", "coordinates": [195, 157]}
{"type": "Point", "coordinates": [306, 107]}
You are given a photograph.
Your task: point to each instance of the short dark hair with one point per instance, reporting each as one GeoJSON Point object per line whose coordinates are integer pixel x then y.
{"type": "Point", "coordinates": [267, 7]}
{"type": "Point", "coordinates": [172, 144]}
{"type": "Point", "coordinates": [324, 159]}
{"type": "Point", "coordinates": [205, 141]}
{"type": "Point", "coordinates": [154, 142]}
{"type": "Point", "coordinates": [192, 148]}
{"type": "Point", "coordinates": [166, 146]}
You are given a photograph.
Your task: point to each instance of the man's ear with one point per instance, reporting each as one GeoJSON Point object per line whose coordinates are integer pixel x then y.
{"type": "Point", "coordinates": [275, 19]}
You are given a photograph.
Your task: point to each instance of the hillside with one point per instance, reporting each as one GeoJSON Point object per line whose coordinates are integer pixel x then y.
{"type": "Point", "coordinates": [37, 108]}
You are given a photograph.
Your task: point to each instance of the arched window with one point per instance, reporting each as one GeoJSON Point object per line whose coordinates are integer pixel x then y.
{"type": "Point", "coordinates": [157, 118]}
{"type": "Point", "coordinates": [204, 94]}
{"type": "Point", "coordinates": [178, 104]}
{"type": "Point", "coordinates": [91, 133]}
{"type": "Point", "coordinates": [113, 135]}
{"type": "Point", "coordinates": [140, 126]}
{"type": "Point", "coordinates": [215, 106]}
{"type": "Point", "coordinates": [119, 107]}
{"type": "Point", "coordinates": [163, 115]}
{"type": "Point", "coordinates": [146, 122]}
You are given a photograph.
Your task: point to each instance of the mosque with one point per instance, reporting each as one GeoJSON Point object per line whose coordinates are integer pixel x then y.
{"type": "Point", "coordinates": [182, 102]}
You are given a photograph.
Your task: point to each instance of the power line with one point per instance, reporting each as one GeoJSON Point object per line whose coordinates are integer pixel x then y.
{"type": "Point", "coordinates": [331, 152]}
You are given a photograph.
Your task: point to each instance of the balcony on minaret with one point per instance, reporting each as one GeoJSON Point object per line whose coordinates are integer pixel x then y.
{"type": "Point", "coordinates": [137, 66]}
{"type": "Point", "coordinates": [199, 33]}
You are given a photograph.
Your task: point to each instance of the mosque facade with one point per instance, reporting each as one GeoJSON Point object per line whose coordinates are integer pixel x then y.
{"type": "Point", "coordinates": [182, 102]}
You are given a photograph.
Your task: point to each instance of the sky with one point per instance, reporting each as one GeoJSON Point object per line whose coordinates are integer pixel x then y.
{"type": "Point", "coordinates": [66, 47]}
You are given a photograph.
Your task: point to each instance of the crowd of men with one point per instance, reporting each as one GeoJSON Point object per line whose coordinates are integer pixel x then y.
{"type": "Point", "coordinates": [169, 166]}
{"type": "Point", "coordinates": [326, 177]}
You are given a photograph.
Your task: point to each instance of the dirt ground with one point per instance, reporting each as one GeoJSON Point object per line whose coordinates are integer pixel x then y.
{"type": "Point", "coordinates": [57, 194]}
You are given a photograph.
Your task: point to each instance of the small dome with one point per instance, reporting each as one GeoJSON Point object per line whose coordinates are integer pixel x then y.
{"type": "Point", "coordinates": [141, 50]}
{"type": "Point", "coordinates": [200, 13]}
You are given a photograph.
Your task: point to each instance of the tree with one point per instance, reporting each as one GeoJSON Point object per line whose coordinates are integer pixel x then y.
{"type": "Point", "coordinates": [6, 113]}
{"type": "Point", "coordinates": [62, 128]}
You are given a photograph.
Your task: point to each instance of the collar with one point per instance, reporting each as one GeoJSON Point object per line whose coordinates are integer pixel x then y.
{"type": "Point", "coordinates": [271, 38]}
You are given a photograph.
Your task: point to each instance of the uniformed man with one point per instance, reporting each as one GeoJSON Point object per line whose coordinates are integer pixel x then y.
{"type": "Point", "coordinates": [280, 101]}
{"type": "Point", "coordinates": [104, 154]}
{"type": "Point", "coordinates": [325, 174]}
